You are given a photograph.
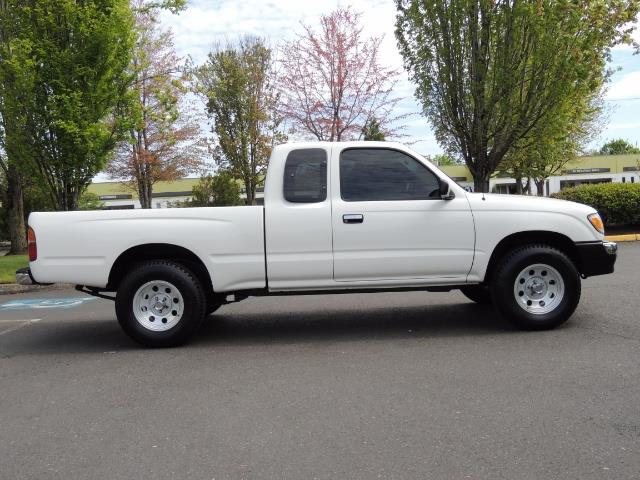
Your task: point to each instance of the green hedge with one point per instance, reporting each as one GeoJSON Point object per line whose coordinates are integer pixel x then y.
{"type": "Point", "coordinates": [617, 203]}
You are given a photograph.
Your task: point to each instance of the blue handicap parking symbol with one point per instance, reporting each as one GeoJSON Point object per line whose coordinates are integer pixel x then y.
{"type": "Point", "coordinates": [41, 303]}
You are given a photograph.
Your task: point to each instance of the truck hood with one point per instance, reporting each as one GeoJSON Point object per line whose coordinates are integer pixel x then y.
{"type": "Point", "coordinates": [526, 203]}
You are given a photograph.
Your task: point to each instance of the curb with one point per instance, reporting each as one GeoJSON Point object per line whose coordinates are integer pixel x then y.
{"type": "Point", "coordinates": [14, 288]}
{"type": "Point", "coordinates": [630, 237]}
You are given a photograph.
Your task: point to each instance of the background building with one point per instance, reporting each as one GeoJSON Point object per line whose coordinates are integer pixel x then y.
{"type": "Point", "coordinates": [117, 196]}
{"type": "Point", "coordinates": [592, 169]}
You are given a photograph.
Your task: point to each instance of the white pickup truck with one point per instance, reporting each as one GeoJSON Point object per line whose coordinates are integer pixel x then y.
{"type": "Point", "coordinates": [338, 218]}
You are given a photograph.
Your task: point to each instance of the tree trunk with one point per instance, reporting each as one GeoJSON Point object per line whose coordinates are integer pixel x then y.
{"type": "Point", "coordinates": [15, 207]}
{"type": "Point", "coordinates": [539, 187]}
{"type": "Point", "coordinates": [251, 194]}
{"type": "Point", "coordinates": [519, 186]}
{"type": "Point", "coordinates": [144, 193]}
{"type": "Point", "coordinates": [481, 183]}
{"type": "Point", "coordinates": [71, 198]}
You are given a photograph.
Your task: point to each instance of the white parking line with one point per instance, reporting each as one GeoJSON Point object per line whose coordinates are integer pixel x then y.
{"type": "Point", "coordinates": [21, 324]}
{"type": "Point", "coordinates": [20, 320]}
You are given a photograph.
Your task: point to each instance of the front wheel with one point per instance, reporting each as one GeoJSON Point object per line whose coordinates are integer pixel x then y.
{"type": "Point", "coordinates": [536, 287]}
{"type": "Point", "coordinates": [160, 303]}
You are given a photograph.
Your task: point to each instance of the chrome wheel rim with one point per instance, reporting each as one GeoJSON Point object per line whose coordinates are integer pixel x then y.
{"type": "Point", "coordinates": [538, 289]}
{"type": "Point", "coordinates": [158, 305]}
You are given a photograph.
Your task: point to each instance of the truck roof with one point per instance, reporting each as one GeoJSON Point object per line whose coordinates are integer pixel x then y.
{"type": "Point", "coordinates": [323, 144]}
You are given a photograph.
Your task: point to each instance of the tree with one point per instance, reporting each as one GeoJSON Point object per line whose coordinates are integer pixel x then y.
{"type": "Point", "coordinates": [4, 225]}
{"type": "Point", "coordinates": [332, 81]}
{"type": "Point", "coordinates": [163, 140]}
{"type": "Point", "coordinates": [90, 201]}
{"type": "Point", "coordinates": [551, 145]}
{"type": "Point", "coordinates": [63, 71]}
{"type": "Point", "coordinates": [490, 72]}
{"type": "Point", "coordinates": [12, 200]}
{"type": "Point", "coordinates": [11, 127]}
{"type": "Point", "coordinates": [618, 147]}
{"type": "Point", "coordinates": [219, 190]}
{"type": "Point", "coordinates": [237, 84]}
{"type": "Point", "coordinates": [371, 131]}
{"type": "Point", "coordinates": [19, 195]}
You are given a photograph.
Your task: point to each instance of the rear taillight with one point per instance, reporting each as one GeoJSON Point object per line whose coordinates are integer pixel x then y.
{"type": "Point", "coordinates": [31, 244]}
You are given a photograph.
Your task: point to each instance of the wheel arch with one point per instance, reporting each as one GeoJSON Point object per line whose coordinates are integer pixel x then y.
{"type": "Point", "coordinates": [158, 251]}
{"type": "Point", "coordinates": [553, 239]}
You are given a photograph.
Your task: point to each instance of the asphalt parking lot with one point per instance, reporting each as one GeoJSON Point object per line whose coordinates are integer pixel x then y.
{"type": "Point", "coordinates": [393, 386]}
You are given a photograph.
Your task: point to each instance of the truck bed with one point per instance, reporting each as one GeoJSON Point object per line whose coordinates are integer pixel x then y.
{"type": "Point", "coordinates": [81, 247]}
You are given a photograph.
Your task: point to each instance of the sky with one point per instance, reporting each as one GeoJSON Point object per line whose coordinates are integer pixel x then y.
{"type": "Point", "coordinates": [207, 22]}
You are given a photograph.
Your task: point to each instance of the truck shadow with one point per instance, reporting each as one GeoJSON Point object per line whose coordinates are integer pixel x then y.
{"type": "Point", "coordinates": [339, 325]}
{"type": "Point", "coordinates": [229, 327]}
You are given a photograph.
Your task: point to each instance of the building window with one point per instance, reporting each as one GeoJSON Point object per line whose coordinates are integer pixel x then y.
{"type": "Point", "coordinates": [505, 188]}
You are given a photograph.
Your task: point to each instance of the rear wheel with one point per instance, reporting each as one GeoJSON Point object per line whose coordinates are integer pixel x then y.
{"type": "Point", "coordinates": [536, 287]}
{"type": "Point", "coordinates": [213, 305]}
{"type": "Point", "coordinates": [160, 303]}
{"type": "Point", "coordinates": [478, 293]}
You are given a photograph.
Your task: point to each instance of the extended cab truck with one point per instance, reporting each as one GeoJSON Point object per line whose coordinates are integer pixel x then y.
{"type": "Point", "coordinates": [337, 217]}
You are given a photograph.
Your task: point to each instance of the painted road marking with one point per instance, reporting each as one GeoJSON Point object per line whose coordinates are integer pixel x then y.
{"type": "Point", "coordinates": [38, 303]}
{"type": "Point", "coordinates": [14, 320]}
{"type": "Point", "coordinates": [23, 324]}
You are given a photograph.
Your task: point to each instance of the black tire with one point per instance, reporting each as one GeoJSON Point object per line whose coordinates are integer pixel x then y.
{"type": "Point", "coordinates": [190, 290]}
{"type": "Point", "coordinates": [478, 293]}
{"type": "Point", "coordinates": [212, 306]}
{"type": "Point", "coordinates": [505, 276]}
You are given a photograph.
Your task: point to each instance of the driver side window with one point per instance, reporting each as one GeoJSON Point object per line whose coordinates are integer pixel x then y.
{"type": "Point", "coordinates": [378, 174]}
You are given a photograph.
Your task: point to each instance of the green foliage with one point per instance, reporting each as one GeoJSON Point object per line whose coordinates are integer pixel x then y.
{"type": "Point", "coordinates": [617, 203]}
{"type": "Point", "coordinates": [62, 74]}
{"type": "Point", "coordinates": [488, 74]}
{"type": "Point", "coordinates": [618, 147]}
{"type": "Point", "coordinates": [8, 266]}
{"type": "Point", "coordinates": [548, 147]}
{"type": "Point", "coordinates": [174, 6]}
{"type": "Point", "coordinates": [371, 131]}
{"type": "Point", "coordinates": [443, 159]}
{"type": "Point", "coordinates": [236, 82]}
{"type": "Point", "coordinates": [219, 190]}
{"type": "Point", "coordinates": [90, 201]}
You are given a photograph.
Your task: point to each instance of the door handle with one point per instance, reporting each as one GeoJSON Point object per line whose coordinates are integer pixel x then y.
{"type": "Point", "coordinates": [353, 218]}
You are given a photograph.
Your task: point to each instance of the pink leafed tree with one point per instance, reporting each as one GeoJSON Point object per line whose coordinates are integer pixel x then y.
{"type": "Point", "coordinates": [164, 141]}
{"type": "Point", "coordinates": [332, 81]}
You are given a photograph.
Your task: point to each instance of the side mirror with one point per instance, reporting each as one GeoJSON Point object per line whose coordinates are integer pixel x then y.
{"type": "Point", "coordinates": [445, 191]}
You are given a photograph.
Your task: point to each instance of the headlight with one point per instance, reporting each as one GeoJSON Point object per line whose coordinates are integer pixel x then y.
{"type": "Point", "coordinates": [596, 221]}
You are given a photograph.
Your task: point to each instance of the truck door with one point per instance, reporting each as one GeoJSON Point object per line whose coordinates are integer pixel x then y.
{"type": "Point", "coordinates": [390, 223]}
{"type": "Point", "coordinates": [298, 220]}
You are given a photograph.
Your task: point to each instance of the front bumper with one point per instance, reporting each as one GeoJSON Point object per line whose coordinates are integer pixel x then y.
{"type": "Point", "coordinates": [597, 258]}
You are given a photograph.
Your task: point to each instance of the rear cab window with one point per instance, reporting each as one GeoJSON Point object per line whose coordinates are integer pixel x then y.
{"type": "Point", "coordinates": [305, 176]}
